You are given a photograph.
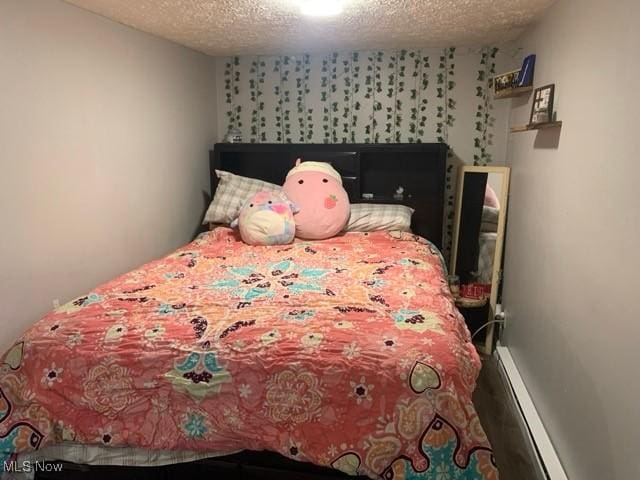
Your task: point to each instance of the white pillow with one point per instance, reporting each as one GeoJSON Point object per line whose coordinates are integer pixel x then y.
{"type": "Point", "coordinates": [370, 217]}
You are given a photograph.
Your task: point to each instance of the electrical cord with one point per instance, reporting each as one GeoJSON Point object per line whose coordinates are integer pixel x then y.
{"type": "Point", "coordinates": [485, 325]}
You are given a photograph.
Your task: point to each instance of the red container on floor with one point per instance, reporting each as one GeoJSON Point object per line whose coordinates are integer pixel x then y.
{"type": "Point", "coordinates": [475, 290]}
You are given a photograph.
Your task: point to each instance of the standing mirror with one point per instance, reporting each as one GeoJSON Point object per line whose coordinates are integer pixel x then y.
{"type": "Point", "coordinates": [476, 251]}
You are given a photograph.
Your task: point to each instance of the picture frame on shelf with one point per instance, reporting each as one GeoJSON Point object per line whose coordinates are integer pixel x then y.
{"type": "Point", "coordinates": [542, 106]}
{"type": "Point", "coordinates": [505, 81]}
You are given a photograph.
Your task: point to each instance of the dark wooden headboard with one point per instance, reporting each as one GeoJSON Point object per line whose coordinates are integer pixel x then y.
{"type": "Point", "coordinates": [377, 169]}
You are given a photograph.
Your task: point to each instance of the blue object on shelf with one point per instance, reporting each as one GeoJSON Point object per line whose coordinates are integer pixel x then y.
{"type": "Point", "coordinates": [525, 76]}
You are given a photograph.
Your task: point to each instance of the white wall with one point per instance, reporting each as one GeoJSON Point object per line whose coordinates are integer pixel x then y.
{"type": "Point", "coordinates": [572, 261]}
{"type": "Point", "coordinates": [104, 137]}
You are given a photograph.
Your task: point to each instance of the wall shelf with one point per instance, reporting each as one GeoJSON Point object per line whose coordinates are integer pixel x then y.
{"type": "Point", "coordinates": [513, 92]}
{"type": "Point", "coordinates": [537, 126]}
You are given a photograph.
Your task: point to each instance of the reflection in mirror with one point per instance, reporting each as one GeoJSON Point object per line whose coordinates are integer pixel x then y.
{"type": "Point", "coordinates": [478, 227]}
{"type": "Point", "coordinates": [477, 245]}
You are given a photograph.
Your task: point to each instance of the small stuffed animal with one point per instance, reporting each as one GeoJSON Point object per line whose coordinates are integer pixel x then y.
{"type": "Point", "coordinates": [316, 189]}
{"type": "Point", "coordinates": [266, 219]}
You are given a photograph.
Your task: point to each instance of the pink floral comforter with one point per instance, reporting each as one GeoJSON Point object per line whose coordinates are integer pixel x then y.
{"type": "Point", "coordinates": [347, 353]}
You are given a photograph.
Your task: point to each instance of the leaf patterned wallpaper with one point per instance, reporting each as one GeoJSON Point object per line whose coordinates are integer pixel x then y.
{"type": "Point", "coordinates": [427, 95]}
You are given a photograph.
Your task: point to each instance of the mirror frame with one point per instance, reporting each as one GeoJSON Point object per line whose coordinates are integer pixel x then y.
{"type": "Point", "coordinates": [496, 274]}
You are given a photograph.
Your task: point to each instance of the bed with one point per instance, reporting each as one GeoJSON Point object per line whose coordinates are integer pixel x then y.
{"type": "Point", "coordinates": [346, 353]}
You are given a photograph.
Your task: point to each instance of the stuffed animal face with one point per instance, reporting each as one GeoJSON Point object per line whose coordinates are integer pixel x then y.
{"type": "Point", "coordinates": [266, 219]}
{"type": "Point", "coordinates": [316, 189]}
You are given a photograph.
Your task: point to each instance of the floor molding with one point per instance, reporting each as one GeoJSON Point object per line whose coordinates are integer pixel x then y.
{"type": "Point", "coordinates": [548, 460]}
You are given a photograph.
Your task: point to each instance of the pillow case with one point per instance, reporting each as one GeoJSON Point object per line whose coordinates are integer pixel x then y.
{"type": "Point", "coordinates": [233, 190]}
{"type": "Point", "coordinates": [370, 217]}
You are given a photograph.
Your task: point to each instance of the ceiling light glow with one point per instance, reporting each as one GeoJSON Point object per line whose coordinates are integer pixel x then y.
{"type": "Point", "coordinates": [321, 8]}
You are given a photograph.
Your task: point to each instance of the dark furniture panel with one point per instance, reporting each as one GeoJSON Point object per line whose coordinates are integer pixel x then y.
{"type": "Point", "coordinates": [374, 169]}
{"type": "Point", "coordinates": [422, 181]}
{"type": "Point", "coordinates": [473, 192]}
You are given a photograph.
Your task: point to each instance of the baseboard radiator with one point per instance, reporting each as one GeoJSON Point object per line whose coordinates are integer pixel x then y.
{"type": "Point", "coordinates": [548, 462]}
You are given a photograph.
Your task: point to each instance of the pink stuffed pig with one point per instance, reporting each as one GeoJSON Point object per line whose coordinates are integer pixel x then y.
{"type": "Point", "coordinates": [316, 189]}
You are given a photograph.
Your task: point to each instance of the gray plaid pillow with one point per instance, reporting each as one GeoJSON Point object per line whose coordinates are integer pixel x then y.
{"type": "Point", "coordinates": [231, 194]}
{"type": "Point", "coordinates": [370, 217]}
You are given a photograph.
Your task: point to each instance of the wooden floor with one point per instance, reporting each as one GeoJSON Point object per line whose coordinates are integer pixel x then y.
{"type": "Point", "coordinates": [492, 400]}
{"type": "Point", "coordinates": [499, 418]}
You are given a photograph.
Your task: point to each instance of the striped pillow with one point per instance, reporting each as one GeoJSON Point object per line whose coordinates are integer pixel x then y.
{"type": "Point", "coordinates": [230, 195]}
{"type": "Point", "coordinates": [369, 217]}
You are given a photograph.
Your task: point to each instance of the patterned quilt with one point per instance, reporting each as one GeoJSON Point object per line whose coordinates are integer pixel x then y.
{"type": "Point", "coordinates": [347, 353]}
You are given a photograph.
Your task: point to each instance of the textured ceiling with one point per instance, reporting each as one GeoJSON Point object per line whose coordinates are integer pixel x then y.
{"type": "Point", "coordinates": [235, 27]}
